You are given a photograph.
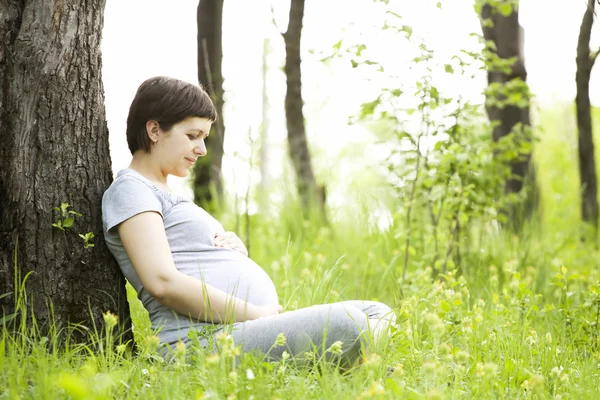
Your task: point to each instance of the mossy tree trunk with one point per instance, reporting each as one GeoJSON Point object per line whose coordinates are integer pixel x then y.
{"type": "Point", "coordinates": [54, 150]}
{"type": "Point", "coordinates": [506, 34]}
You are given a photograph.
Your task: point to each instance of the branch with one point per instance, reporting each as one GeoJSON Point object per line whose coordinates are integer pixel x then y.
{"type": "Point", "coordinates": [593, 57]}
{"type": "Point", "coordinates": [274, 20]}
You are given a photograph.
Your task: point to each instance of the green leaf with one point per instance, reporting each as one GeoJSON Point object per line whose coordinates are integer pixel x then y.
{"type": "Point", "coordinates": [504, 8]}
{"type": "Point", "coordinates": [445, 306]}
{"type": "Point", "coordinates": [67, 223]}
{"type": "Point", "coordinates": [5, 295]}
{"type": "Point", "coordinates": [58, 225]}
{"type": "Point", "coordinates": [449, 69]}
{"type": "Point", "coordinates": [8, 318]}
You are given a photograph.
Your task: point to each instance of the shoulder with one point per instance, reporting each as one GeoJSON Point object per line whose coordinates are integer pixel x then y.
{"type": "Point", "coordinates": [128, 195]}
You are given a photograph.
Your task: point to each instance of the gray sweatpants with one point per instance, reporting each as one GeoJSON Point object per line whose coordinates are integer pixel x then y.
{"type": "Point", "coordinates": [315, 328]}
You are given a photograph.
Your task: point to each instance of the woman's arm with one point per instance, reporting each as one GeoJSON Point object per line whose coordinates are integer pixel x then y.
{"type": "Point", "coordinates": [145, 242]}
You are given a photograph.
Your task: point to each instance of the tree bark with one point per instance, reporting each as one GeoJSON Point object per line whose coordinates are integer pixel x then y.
{"type": "Point", "coordinates": [507, 35]}
{"type": "Point", "coordinates": [587, 164]}
{"type": "Point", "coordinates": [310, 194]}
{"type": "Point", "coordinates": [207, 172]}
{"type": "Point", "coordinates": [54, 150]}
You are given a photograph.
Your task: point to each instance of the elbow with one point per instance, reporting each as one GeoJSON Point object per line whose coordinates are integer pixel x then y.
{"type": "Point", "coordinates": [160, 289]}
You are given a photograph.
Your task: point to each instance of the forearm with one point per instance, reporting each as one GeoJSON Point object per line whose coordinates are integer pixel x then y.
{"type": "Point", "coordinates": [192, 297]}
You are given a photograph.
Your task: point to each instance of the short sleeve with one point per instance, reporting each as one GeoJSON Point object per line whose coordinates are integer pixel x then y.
{"type": "Point", "coordinates": [127, 196]}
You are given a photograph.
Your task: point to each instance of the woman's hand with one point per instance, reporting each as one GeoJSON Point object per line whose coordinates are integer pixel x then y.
{"type": "Point", "coordinates": [269, 310]}
{"type": "Point", "coordinates": [229, 240]}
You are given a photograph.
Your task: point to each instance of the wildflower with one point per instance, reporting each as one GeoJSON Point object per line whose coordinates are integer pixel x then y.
{"type": "Point", "coordinates": [372, 360]}
{"type": "Point", "coordinates": [180, 349]}
{"type": "Point", "coordinates": [462, 356]}
{"type": "Point", "coordinates": [224, 339]}
{"type": "Point", "coordinates": [535, 383]}
{"type": "Point", "coordinates": [445, 349]}
{"type": "Point", "coordinates": [121, 349]}
{"type": "Point", "coordinates": [249, 374]}
{"type": "Point", "coordinates": [309, 355]}
{"type": "Point", "coordinates": [212, 359]}
{"type": "Point", "coordinates": [152, 342]}
{"type": "Point", "coordinates": [548, 338]}
{"type": "Point", "coordinates": [145, 371]}
{"type": "Point", "coordinates": [398, 370]}
{"type": "Point", "coordinates": [280, 340]}
{"type": "Point", "coordinates": [532, 338]}
{"type": "Point", "coordinates": [436, 325]}
{"type": "Point", "coordinates": [376, 389]}
{"type": "Point", "coordinates": [336, 347]}
{"type": "Point", "coordinates": [285, 355]}
{"type": "Point", "coordinates": [110, 319]}
{"type": "Point", "coordinates": [429, 368]}
{"type": "Point", "coordinates": [556, 372]}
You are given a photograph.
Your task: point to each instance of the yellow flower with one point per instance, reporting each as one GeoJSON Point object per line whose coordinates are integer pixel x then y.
{"type": "Point", "coordinates": [280, 340]}
{"type": "Point", "coordinates": [336, 347]}
{"type": "Point", "coordinates": [110, 319]}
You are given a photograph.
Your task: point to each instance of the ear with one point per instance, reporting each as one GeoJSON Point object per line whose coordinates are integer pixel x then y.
{"type": "Point", "coordinates": [152, 130]}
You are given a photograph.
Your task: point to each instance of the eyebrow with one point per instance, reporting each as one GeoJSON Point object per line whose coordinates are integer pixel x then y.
{"type": "Point", "coordinates": [199, 131]}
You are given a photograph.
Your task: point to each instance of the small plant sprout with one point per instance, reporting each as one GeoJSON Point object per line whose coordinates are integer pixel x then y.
{"type": "Point", "coordinates": [67, 217]}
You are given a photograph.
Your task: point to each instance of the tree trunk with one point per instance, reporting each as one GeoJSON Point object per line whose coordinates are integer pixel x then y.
{"type": "Point", "coordinates": [54, 150]}
{"type": "Point", "coordinates": [207, 172]}
{"type": "Point", "coordinates": [587, 164]}
{"type": "Point", "coordinates": [507, 35]}
{"type": "Point", "coordinates": [265, 175]}
{"type": "Point", "coordinates": [298, 146]}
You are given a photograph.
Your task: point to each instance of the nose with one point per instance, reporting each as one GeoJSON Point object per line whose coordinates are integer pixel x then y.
{"type": "Point", "coordinates": [200, 149]}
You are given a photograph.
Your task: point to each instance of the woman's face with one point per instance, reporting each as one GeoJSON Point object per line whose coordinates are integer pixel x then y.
{"type": "Point", "coordinates": [177, 150]}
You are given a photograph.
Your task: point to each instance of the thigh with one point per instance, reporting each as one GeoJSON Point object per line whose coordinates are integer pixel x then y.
{"type": "Point", "coordinates": [307, 329]}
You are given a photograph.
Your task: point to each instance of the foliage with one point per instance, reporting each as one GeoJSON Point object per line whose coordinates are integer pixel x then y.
{"type": "Point", "coordinates": [66, 219]}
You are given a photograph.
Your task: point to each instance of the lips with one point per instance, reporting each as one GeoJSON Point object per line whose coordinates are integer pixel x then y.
{"type": "Point", "coordinates": [191, 160]}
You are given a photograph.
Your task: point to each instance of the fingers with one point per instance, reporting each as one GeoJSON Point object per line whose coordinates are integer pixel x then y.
{"type": "Point", "coordinates": [229, 240]}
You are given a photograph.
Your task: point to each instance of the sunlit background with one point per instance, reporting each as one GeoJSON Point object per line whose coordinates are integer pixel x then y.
{"type": "Point", "coordinates": [144, 38]}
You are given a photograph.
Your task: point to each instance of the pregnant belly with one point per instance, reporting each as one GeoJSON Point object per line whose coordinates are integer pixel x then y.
{"type": "Point", "coordinates": [231, 272]}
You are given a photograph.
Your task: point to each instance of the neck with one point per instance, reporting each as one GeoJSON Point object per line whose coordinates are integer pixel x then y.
{"type": "Point", "coordinates": [143, 163]}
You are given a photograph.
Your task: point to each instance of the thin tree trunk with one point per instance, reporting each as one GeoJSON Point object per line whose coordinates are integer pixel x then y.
{"type": "Point", "coordinates": [298, 146]}
{"type": "Point", "coordinates": [265, 177]}
{"type": "Point", "coordinates": [207, 173]}
{"type": "Point", "coordinates": [507, 35]}
{"type": "Point", "coordinates": [587, 164]}
{"type": "Point", "coordinates": [54, 150]}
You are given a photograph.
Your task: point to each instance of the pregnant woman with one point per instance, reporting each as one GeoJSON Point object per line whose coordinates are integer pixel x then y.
{"type": "Point", "coordinates": [187, 271]}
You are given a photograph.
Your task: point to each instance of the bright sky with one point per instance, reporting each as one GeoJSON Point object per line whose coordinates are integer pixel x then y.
{"type": "Point", "coordinates": [144, 38]}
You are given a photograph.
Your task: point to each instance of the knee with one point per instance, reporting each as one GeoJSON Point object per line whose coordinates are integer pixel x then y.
{"type": "Point", "coordinates": [346, 323]}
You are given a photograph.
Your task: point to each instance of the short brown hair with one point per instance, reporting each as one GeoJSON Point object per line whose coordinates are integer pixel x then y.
{"type": "Point", "coordinates": [167, 101]}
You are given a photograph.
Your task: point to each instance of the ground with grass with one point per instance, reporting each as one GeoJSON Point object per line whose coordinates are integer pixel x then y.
{"type": "Point", "coordinates": [518, 320]}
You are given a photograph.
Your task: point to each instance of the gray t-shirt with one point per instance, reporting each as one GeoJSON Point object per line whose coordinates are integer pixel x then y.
{"type": "Point", "coordinates": [190, 231]}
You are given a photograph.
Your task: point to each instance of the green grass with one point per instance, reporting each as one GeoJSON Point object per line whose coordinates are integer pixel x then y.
{"type": "Point", "coordinates": [520, 322]}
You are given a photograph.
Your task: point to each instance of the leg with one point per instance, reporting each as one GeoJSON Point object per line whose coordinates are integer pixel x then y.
{"type": "Point", "coordinates": [315, 327]}
{"type": "Point", "coordinates": [380, 317]}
